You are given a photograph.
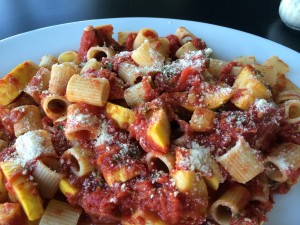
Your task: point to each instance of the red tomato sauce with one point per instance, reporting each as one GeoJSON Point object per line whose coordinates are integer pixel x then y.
{"type": "Point", "coordinates": [11, 214]}
{"type": "Point", "coordinates": [114, 62]}
{"type": "Point", "coordinates": [94, 36]}
{"type": "Point", "coordinates": [288, 133]}
{"type": "Point", "coordinates": [129, 41]}
{"type": "Point", "coordinates": [150, 93]}
{"type": "Point", "coordinates": [88, 40]}
{"type": "Point", "coordinates": [198, 43]}
{"type": "Point", "coordinates": [174, 44]}
{"type": "Point", "coordinates": [226, 76]}
{"type": "Point", "coordinates": [12, 80]}
{"type": "Point", "coordinates": [9, 118]}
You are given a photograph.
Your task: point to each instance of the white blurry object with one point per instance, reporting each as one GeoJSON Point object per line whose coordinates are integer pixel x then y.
{"type": "Point", "coordinates": [289, 11]}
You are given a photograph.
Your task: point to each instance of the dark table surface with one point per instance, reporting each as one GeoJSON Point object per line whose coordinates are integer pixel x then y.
{"type": "Point", "coordinates": [257, 17]}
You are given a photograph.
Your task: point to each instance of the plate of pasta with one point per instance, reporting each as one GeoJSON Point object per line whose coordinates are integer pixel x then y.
{"type": "Point", "coordinates": [148, 121]}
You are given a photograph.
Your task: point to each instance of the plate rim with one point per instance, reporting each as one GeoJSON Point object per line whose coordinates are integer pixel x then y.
{"type": "Point", "coordinates": [136, 18]}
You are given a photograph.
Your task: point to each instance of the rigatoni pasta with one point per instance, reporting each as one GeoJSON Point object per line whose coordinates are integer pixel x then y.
{"type": "Point", "coordinates": [259, 188]}
{"type": "Point", "coordinates": [46, 175]}
{"type": "Point", "coordinates": [99, 52]}
{"type": "Point", "coordinates": [123, 36]}
{"type": "Point", "coordinates": [42, 77]}
{"type": "Point", "coordinates": [3, 144]}
{"type": "Point", "coordinates": [69, 56]}
{"type": "Point", "coordinates": [184, 35]}
{"type": "Point", "coordinates": [161, 160]}
{"type": "Point", "coordinates": [135, 94]}
{"type": "Point", "coordinates": [81, 157]}
{"type": "Point", "coordinates": [29, 119]}
{"type": "Point", "coordinates": [246, 60]}
{"type": "Point", "coordinates": [67, 216]}
{"type": "Point", "coordinates": [130, 73]}
{"type": "Point", "coordinates": [148, 129]}
{"type": "Point", "coordinates": [47, 61]}
{"type": "Point", "coordinates": [292, 111]}
{"type": "Point", "coordinates": [143, 35]}
{"type": "Point", "coordinates": [91, 64]}
{"type": "Point", "coordinates": [3, 192]}
{"type": "Point", "coordinates": [287, 95]}
{"type": "Point", "coordinates": [94, 91]}
{"type": "Point", "coordinates": [187, 47]}
{"type": "Point", "coordinates": [283, 161]}
{"type": "Point", "coordinates": [149, 54]}
{"type": "Point", "coordinates": [81, 122]}
{"type": "Point", "coordinates": [242, 162]}
{"type": "Point", "coordinates": [60, 75]}
{"type": "Point", "coordinates": [229, 204]}
{"type": "Point", "coordinates": [55, 106]}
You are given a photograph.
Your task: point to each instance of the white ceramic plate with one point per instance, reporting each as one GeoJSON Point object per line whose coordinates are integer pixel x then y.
{"type": "Point", "coordinates": [226, 44]}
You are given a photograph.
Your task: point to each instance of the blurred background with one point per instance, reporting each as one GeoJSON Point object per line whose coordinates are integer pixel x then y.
{"type": "Point", "coordinates": [257, 17]}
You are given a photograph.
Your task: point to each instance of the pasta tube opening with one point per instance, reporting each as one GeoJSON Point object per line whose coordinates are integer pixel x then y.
{"type": "Point", "coordinates": [99, 52]}
{"type": "Point", "coordinates": [69, 56]}
{"type": "Point", "coordinates": [159, 165]}
{"type": "Point", "coordinates": [273, 171]}
{"type": "Point", "coordinates": [81, 123]}
{"type": "Point", "coordinates": [160, 162]}
{"type": "Point", "coordinates": [184, 35]}
{"type": "Point", "coordinates": [79, 162]}
{"type": "Point", "coordinates": [57, 106]}
{"type": "Point", "coordinates": [230, 204]}
{"type": "Point", "coordinates": [283, 161]}
{"type": "Point", "coordinates": [75, 167]}
{"type": "Point", "coordinates": [224, 213]}
{"type": "Point", "coordinates": [99, 55]}
{"type": "Point", "coordinates": [292, 111]}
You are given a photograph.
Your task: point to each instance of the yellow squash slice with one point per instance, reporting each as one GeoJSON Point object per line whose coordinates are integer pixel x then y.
{"type": "Point", "coordinates": [24, 189]}
{"type": "Point", "coordinates": [159, 129]}
{"type": "Point", "coordinates": [123, 116]}
{"type": "Point", "coordinates": [15, 81]}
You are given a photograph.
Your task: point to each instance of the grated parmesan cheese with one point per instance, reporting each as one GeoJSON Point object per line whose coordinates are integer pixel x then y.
{"type": "Point", "coordinates": [123, 54]}
{"type": "Point", "coordinates": [33, 144]}
{"type": "Point", "coordinates": [197, 159]}
{"type": "Point", "coordinates": [283, 164]}
{"type": "Point", "coordinates": [263, 105]}
{"type": "Point", "coordinates": [80, 118]}
{"type": "Point", "coordinates": [193, 59]}
{"type": "Point", "coordinates": [104, 137]}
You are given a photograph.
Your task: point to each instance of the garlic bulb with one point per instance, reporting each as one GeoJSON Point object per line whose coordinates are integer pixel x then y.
{"type": "Point", "coordinates": [289, 11]}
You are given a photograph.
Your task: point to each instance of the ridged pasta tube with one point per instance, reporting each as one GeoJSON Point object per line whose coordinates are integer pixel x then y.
{"type": "Point", "coordinates": [94, 91]}
{"type": "Point", "coordinates": [242, 162]}
{"type": "Point", "coordinates": [230, 204]}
